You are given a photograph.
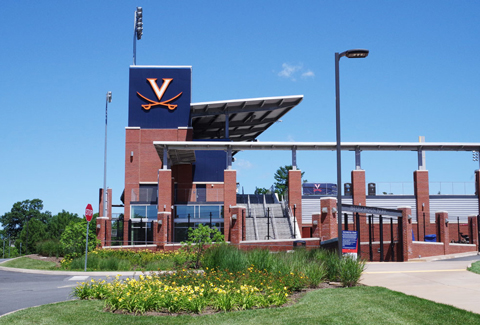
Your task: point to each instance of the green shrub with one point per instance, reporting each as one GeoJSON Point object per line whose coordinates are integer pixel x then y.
{"type": "Point", "coordinates": [351, 269]}
{"type": "Point", "coordinates": [261, 259]}
{"type": "Point", "coordinates": [51, 247]}
{"type": "Point", "coordinates": [225, 257]}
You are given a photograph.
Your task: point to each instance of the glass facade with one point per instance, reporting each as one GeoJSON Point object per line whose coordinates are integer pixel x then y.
{"type": "Point", "coordinates": [190, 216]}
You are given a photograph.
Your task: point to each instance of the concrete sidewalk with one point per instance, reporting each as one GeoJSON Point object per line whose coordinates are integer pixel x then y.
{"type": "Point", "coordinates": [445, 281]}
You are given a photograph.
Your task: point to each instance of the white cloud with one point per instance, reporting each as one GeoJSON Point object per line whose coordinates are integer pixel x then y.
{"type": "Point", "coordinates": [291, 72]}
{"type": "Point", "coordinates": [308, 74]}
{"type": "Point", "coordinates": [243, 164]}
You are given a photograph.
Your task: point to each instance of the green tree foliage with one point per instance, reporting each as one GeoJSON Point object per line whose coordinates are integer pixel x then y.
{"type": "Point", "coordinates": [59, 222]}
{"type": "Point", "coordinates": [281, 179]}
{"type": "Point", "coordinates": [73, 239]}
{"type": "Point", "coordinates": [14, 221]}
{"type": "Point", "coordinates": [37, 231]}
{"type": "Point", "coordinates": [262, 190]}
{"type": "Point", "coordinates": [198, 238]}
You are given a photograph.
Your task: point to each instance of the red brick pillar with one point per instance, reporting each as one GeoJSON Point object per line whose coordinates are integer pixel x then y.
{"type": "Point", "coordinates": [295, 195]}
{"type": "Point", "coordinates": [237, 225]}
{"type": "Point", "coordinates": [317, 226]}
{"type": "Point", "coordinates": [104, 223]}
{"type": "Point", "coordinates": [473, 229]}
{"type": "Point", "coordinates": [443, 235]}
{"type": "Point", "coordinates": [161, 231]}
{"type": "Point", "coordinates": [406, 235]}
{"type": "Point", "coordinates": [165, 201]}
{"type": "Point", "coordinates": [359, 197]}
{"type": "Point", "coordinates": [422, 196]}
{"type": "Point", "coordinates": [229, 199]}
{"type": "Point", "coordinates": [329, 223]}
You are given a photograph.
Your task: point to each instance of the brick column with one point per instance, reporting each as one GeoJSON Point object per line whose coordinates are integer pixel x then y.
{"type": "Point", "coordinates": [329, 225]}
{"type": "Point", "coordinates": [359, 197]}
{"type": "Point", "coordinates": [317, 225]}
{"type": "Point", "coordinates": [443, 232]}
{"type": "Point", "coordinates": [406, 232]}
{"type": "Point", "coordinates": [422, 197]}
{"type": "Point", "coordinates": [237, 225]}
{"type": "Point", "coordinates": [229, 199]}
{"type": "Point", "coordinates": [295, 194]}
{"type": "Point", "coordinates": [473, 229]}
{"type": "Point", "coordinates": [161, 231]}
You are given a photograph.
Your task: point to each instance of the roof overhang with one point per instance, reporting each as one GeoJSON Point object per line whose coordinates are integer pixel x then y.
{"type": "Point", "coordinates": [247, 118]}
{"type": "Point", "coordinates": [349, 146]}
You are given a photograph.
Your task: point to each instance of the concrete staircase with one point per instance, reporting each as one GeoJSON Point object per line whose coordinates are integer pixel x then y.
{"type": "Point", "coordinates": [259, 227]}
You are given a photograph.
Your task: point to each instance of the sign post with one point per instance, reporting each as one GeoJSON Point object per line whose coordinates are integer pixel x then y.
{"type": "Point", "coordinates": [88, 216]}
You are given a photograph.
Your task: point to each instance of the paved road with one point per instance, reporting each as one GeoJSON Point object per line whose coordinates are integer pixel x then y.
{"type": "Point", "coordinates": [446, 281]}
{"type": "Point", "coordinates": [22, 290]}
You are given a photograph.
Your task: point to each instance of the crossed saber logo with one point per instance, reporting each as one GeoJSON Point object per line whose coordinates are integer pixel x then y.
{"type": "Point", "coordinates": [159, 92]}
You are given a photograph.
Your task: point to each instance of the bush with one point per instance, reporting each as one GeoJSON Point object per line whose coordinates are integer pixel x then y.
{"type": "Point", "coordinates": [351, 269]}
{"type": "Point", "coordinates": [50, 248]}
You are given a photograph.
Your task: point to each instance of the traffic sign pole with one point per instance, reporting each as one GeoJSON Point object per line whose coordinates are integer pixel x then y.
{"type": "Point", "coordinates": [86, 247]}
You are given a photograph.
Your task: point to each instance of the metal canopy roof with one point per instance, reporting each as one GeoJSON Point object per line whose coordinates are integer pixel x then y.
{"type": "Point", "coordinates": [247, 118]}
{"type": "Point", "coordinates": [351, 146]}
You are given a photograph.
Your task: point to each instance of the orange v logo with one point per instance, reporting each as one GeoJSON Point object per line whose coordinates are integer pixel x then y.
{"type": "Point", "coordinates": [159, 92]}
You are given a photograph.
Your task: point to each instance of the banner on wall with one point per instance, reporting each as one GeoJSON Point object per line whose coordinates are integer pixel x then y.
{"type": "Point", "coordinates": [159, 97]}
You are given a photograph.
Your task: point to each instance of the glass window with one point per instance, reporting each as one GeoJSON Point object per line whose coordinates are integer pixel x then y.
{"type": "Point", "coordinates": [144, 211]}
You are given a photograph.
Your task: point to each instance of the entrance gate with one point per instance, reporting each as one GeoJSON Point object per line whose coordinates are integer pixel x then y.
{"type": "Point", "coordinates": [371, 222]}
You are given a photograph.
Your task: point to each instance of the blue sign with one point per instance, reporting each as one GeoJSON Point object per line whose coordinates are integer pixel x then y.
{"type": "Point", "coordinates": [349, 241]}
{"type": "Point", "coordinates": [159, 97]}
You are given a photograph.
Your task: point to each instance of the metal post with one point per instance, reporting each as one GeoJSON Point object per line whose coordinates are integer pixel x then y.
{"type": "Point", "coordinates": [357, 221]}
{"type": "Point", "coordinates": [370, 237]}
{"type": "Point", "coordinates": [189, 220]}
{"type": "Point", "coordinates": [105, 192]}
{"type": "Point", "coordinates": [294, 221]}
{"type": "Point", "coordinates": [424, 232]}
{"type": "Point", "coordinates": [458, 229]}
{"type": "Point", "coordinates": [339, 153]}
{"type": "Point", "coordinates": [345, 216]}
{"type": "Point", "coordinates": [418, 229]}
{"type": "Point", "coordinates": [20, 249]}
{"type": "Point", "coordinates": [210, 219]}
{"type": "Point", "coordinates": [26, 241]}
{"type": "Point", "coordinates": [268, 223]}
{"type": "Point", "coordinates": [86, 247]}
{"type": "Point", "coordinates": [381, 239]}
{"type": "Point", "coordinates": [391, 240]}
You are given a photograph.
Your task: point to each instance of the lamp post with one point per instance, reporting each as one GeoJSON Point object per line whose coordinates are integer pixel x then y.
{"type": "Point", "coordinates": [351, 54]}
{"type": "Point", "coordinates": [105, 194]}
{"type": "Point", "coordinates": [137, 31]}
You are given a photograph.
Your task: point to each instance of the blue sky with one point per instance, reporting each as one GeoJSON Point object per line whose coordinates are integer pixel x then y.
{"type": "Point", "coordinates": [59, 59]}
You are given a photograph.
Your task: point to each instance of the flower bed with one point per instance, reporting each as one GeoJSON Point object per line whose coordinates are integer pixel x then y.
{"type": "Point", "coordinates": [187, 291]}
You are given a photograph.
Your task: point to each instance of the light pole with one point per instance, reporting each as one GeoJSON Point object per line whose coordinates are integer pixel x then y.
{"type": "Point", "coordinates": [105, 194]}
{"type": "Point", "coordinates": [137, 31]}
{"type": "Point", "coordinates": [351, 54]}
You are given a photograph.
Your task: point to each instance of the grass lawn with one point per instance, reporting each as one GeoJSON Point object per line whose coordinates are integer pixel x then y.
{"type": "Point", "coordinates": [358, 305]}
{"type": "Point", "coordinates": [475, 268]}
{"type": "Point", "coordinates": [30, 263]}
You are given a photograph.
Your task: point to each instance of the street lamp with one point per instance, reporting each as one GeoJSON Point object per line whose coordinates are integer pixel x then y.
{"type": "Point", "coordinates": [137, 31]}
{"type": "Point", "coordinates": [105, 194]}
{"type": "Point", "coordinates": [351, 54]}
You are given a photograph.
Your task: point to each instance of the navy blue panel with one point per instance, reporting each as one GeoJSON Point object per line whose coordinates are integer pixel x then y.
{"type": "Point", "coordinates": [159, 116]}
{"type": "Point", "coordinates": [319, 189]}
{"type": "Point", "coordinates": [209, 166]}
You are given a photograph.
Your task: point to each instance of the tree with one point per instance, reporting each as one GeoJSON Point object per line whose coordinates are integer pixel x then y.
{"type": "Point", "coordinates": [281, 179]}
{"type": "Point", "coordinates": [14, 221]}
{"type": "Point", "coordinates": [198, 238]}
{"type": "Point", "coordinates": [37, 231]}
{"type": "Point", "coordinates": [59, 222]}
{"type": "Point", "coordinates": [73, 239]}
{"type": "Point", "coordinates": [262, 190]}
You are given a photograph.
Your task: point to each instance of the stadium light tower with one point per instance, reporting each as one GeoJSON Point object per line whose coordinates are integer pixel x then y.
{"type": "Point", "coordinates": [137, 31]}
{"type": "Point", "coordinates": [351, 54]}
